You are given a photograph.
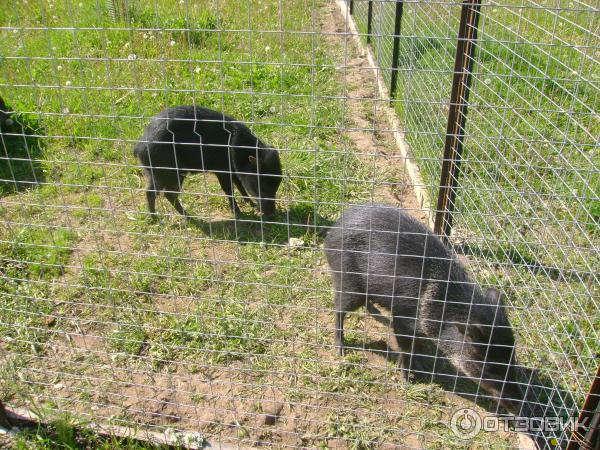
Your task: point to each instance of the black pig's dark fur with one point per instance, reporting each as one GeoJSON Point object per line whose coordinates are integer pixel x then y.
{"type": "Point", "coordinates": [188, 139]}
{"type": "Point", "coordinates": [382, 256]}
{"type": "Point", "coordinates": [5, 119]}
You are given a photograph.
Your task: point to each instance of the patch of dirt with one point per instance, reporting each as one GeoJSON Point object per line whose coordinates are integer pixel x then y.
{"type": "Point", "coordinates": [232, 404]}
{"type": "Point", "coordinates": [220, 255]}
{"type": "Point", "coordinates": [366, 124]}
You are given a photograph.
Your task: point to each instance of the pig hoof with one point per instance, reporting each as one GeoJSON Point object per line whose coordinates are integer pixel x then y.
{"type": "Point", "coordinates": [402, 369]}
{"type": "Point", "coordinates": [403, 374]}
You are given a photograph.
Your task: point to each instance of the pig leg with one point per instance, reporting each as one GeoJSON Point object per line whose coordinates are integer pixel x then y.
{"type": "Point", "coordinates": [339, 331]}
{"type": "Point", "coordinates": [344, 302]}
{"type": "Point", "coordinates": [340, 315]}
{"type": "Point", "coordinates": [421, 361]}
{"type": "Point", "coordinates": [404, 337]}
{"type": "Point", "coordinates": [376, 314]}
{"type": "Point", "coordinates": [226, 185]}
{"type": "Point", "coordinates": [240, 187]}
{"type": "Point", "coordinates": [171, 186]}
{"type": "Point", "coordinates": [151, 196]}
{"type": "Point", "coordinates": [173, 198]}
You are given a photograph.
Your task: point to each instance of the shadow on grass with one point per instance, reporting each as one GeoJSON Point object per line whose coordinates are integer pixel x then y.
{"type": "Point", "coordinates": [543, 397]}
{"type": "Point", "coordinates": [522, 257]}
{"type": "Point", "coordinates": [297, 222]}
{"type": "Point", "coordinates": [416, 48]}
{"type": "Point", "coordinates": [20, 152]}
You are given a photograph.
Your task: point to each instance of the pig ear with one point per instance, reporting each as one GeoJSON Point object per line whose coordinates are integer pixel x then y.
{"type": "Point", "coordinates": [252, 159]}
{"type": "Point", "coordinates": [494, 296]}
{"type": "Point", "coordinates": [2, 104]}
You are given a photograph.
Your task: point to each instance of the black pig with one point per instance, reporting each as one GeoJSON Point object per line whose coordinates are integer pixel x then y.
{"type": "Point", "coordinates": [5, 120]}
{"type": "Point", "coordinates": [188, 139]}
{"type": "Point", "coordinates": [382, 256]}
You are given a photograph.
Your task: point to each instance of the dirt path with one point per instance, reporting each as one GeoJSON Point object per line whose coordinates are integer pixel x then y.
{"type": "Point", "coordinates": [365, 122]}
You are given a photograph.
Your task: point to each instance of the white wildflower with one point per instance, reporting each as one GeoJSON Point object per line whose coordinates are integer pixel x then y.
{"type": "Point", "coordinates": [296, 242]}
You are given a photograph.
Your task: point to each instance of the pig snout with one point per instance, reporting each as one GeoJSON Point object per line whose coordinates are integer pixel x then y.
{"type": "Point", "coordinates": [267, 206]}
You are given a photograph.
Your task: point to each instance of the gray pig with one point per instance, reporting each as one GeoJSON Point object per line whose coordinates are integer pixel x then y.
{"type": "Point", "coordinates": [382, 256]}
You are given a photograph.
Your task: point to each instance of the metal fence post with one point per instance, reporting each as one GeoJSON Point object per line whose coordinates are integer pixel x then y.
{"type": "Point", "coordinates": [351, 6]}
{"type": "Point", "coordinates": [369, 21]}
{"type": "Point", "coordinates": [396, 49]}
{"type": "Point", "coordinates": [587, 432]}
{"type": "Point", "coordinates": [457, 115]}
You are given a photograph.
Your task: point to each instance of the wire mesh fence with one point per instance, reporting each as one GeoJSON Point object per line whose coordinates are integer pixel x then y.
{"type": "Point", "coordinates": [221, 327]}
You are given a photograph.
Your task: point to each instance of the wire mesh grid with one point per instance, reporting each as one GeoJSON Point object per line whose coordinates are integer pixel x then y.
{"type": "Point", "coordinates": [222, 325]}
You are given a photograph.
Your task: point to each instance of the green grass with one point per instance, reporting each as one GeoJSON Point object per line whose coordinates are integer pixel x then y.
{"type": "Point", "coordinates": [66, 433]}
{"type": "Point", "coordinates": [528, 196]}
{"type": "Point", "coordinates": [105, 314]}
{"type": "Point", "coordinates": [36, 252]}
{"type": "Point", "coordinates": [30, 258]}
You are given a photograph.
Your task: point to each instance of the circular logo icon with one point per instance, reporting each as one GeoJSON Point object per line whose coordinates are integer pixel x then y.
{"type": "Point", "coordinates": [465, 423]}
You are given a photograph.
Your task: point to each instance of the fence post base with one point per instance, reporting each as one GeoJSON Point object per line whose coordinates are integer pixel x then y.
{"type": "Point", "coordinates": [396, 48]}
{"type": "Point", "coordinates": [457, 116]}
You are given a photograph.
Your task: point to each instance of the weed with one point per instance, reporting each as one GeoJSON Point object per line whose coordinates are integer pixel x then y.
{"type": "Point", "coordinates": [36, 252]}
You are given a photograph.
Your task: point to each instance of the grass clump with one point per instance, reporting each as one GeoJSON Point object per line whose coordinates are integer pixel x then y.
{"type": "Point", "coordinates": [37, 252]}
{"type": "Point", "coordinates": [216, 333]}
{"type": "Point", "coordinates": [67, 433]}
{"type": "Point", "coordinates": [30, 257]}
